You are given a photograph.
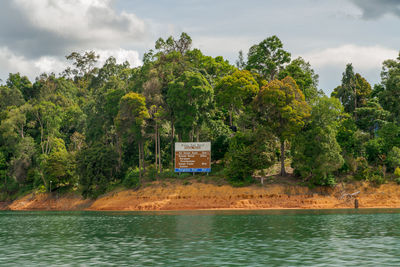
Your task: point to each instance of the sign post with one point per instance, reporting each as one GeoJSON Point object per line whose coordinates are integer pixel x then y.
{"type": "Point", "coordinates": [193, 157]}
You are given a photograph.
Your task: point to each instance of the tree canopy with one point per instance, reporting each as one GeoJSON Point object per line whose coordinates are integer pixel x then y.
{"type": "Point", "coordinates": [92, 128]}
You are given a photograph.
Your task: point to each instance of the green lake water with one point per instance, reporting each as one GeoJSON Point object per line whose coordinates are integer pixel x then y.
{"type": "Point", "coordinates": [201, 238]}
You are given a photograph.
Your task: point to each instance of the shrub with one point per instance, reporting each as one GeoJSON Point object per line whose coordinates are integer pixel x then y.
{"type": "Point", "coordinates": [41, 189]}
{"type": "Point", "coordinates": [328, 180]}
{"type": "Point", "coordinates": [152, 173]}
{"type": "Point", "coordinates": [184, 175]}
{"type": "Point", "coordinates": [397, 172]}
{"type": "Point", "coordinates": [132, 179]}
{"type": "Point", "coordinates": [376, 179]}
{"type": "Point", "coordinates": [362, 169]}
{"type": "Point", "coordinates": [393, 158]}
{"type": "Point", "coordinates": [168, 174]}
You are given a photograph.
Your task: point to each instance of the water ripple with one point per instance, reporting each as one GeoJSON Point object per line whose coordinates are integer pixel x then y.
{"type": "Point", "coordinates": [201, 238]}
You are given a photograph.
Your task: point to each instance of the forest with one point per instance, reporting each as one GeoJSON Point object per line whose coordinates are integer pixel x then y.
{"type": "Point", "coordinates": [90, 128]}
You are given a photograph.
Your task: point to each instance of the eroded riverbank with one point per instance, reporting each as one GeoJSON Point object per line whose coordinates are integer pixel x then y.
{"type": "Point", "coordinates": [174, 196]}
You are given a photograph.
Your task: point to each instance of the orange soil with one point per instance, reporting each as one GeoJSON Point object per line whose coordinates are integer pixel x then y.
{"type": "Point", "coordinates": [169, 196]}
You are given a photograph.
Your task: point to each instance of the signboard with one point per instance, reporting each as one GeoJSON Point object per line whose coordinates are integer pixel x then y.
{"type": "Point", "coordinates": [193, 157]}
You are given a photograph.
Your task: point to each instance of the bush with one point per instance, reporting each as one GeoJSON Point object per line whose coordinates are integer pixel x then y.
{"type": "Point", "coordinates": [362, 169]}
{"type": "Point", "coordinates": [152, 173]}
{"type": "Point", "coordinates": [41, 189]}
{"type": "Point", "coordinates": [376, 179]}
{"type": "Point", "coordinates": [184, 175]}
{"type": "Point", "coordinates": [328, 180]}
{"type": "Point", "coordinates": [132, 179]}
{"type": "Point", "coordinates": [168, 174]}
{"type": "Point", "coordinates": [393, 158]}
{"type": "Point", "coordinates": [397, 172]}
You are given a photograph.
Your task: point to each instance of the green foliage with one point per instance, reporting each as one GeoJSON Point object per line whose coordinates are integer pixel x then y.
{"type": "Point", "coordinates": [393, 158]}
{"type": "Point", "coordinates": [389, 92]}
{"type": "Point", "coordinates": [248, 152]}
{"type": "Point", "coordinates": [305, 78]}
{"type": "Point", "coordinates": [219, 147]}
{"type": "Point", "coordinates": [168, 174]}
{"type": "Point", "coordinates": [235, 92]}
{"type": "Point", "coordinates": [390, 133]}
{"type": "Point", "coordinates": [132, 178]}
{"type": "Point", "coordinates": [10, 97]}
{"type": "Point", "coordinates": [375, 151]}
{"type": "Point", "coordinates": [281, 107]}
{"type": "Point", "coordinates": [397, 172]}
{"type": "Point", "coordinates": [22, 159]}
{"type": "Point", "coordinates": [132, 115]}
{"type": "Point", "coordinates": [377, 179]}
{"type": "Point", "coordinates": [371, 117]}
{"type": "Point", "coordinates": [316, 152]}
{"type": "Point", "coordinates": [84, 64]}
{"type": "Point", "coordinates": [267, 58]}
{"type": "Point", "coordinates": [350, 138]}
{"type": "Point", "coordinates": [354, 90]}
{"type": "Point", "coordinates": [97, 166]}
{"type": "Point", "coordinates": [59, 165]}
{"type": "Point", "coordinates": [190, 97]}
{"type": "Point", "coordinates": [103, 126]}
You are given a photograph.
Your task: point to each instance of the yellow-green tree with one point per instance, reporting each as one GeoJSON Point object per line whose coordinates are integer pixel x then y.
{"type": "Point", "coordinates": [234, 92]}
{"type": "Point", "coordinates": [282, 108]}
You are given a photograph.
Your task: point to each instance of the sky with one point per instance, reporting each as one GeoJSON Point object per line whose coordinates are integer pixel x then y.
{"type": "Point", "coordinates": [36, 35]}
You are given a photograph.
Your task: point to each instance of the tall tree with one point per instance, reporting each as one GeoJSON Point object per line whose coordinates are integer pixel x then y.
{"type": "Point", "coordinates": [267, 58]}
{"type": "Point", "coordinates": [189, 98]}
{"type": "Point", "coordinates": [131, 121]}
{"type": "Point", "coordinates": [236, 91]}
{"type": "Point", "coordinates": [389, 94]}
{"type": "Point", "coordinates": [354, 91]}
{"type": "Point", "coordinates": [281, 107]}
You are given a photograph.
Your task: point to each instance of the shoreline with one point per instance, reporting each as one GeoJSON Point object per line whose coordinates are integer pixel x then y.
{"type": "Point", "coordinates": [161, 196]}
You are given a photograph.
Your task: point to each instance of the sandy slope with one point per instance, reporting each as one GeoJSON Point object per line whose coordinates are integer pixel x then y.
{"type": "Point", "coordinates": [168, 196]}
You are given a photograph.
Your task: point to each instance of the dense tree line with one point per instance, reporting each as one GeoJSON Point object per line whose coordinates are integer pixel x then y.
{"type": "Point", "coordinates": [91, 127]}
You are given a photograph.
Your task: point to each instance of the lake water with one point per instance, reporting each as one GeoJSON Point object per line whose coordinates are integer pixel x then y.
{"type": "Point", "coordinates": [201, 238]}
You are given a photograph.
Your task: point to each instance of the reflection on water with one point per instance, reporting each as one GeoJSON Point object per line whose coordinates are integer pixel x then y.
{"type": "Point", "coordinates": [202, 238]}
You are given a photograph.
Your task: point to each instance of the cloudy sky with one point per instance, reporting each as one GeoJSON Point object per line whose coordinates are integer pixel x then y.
{"type": "Point", "coordinates": [36, 35]}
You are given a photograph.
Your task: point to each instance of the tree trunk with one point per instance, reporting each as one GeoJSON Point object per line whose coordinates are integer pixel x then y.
{"type": "Point", "coordinates": [283, 171]}
{"type": "Point", "coordinates": [355, 102]}
{"type": "Point", "coordinates": [119, 150]}
{"type": "Point", "coordinates": [159, 151]}
{"type": "Point", "coordinates": [143, 158]}
{"type": "Point", "coordinates": [140, 167]}
{"type": "Point", "coordinates": [172, 142]}
{"type": "Point", "coordinates": [156, 147]}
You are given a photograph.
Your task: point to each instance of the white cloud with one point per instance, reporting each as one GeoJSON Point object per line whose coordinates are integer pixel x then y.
{"type": "Point", "coordinates": [363, 57]}
{"type": "Point", "coordinates": [46, 64]}
{"type": "Point", "coordinates": [120, 55]}
{"type": "Point", "coordinates": [13, 63]}
{"type": "Point", "coordinates": [92, 21]}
